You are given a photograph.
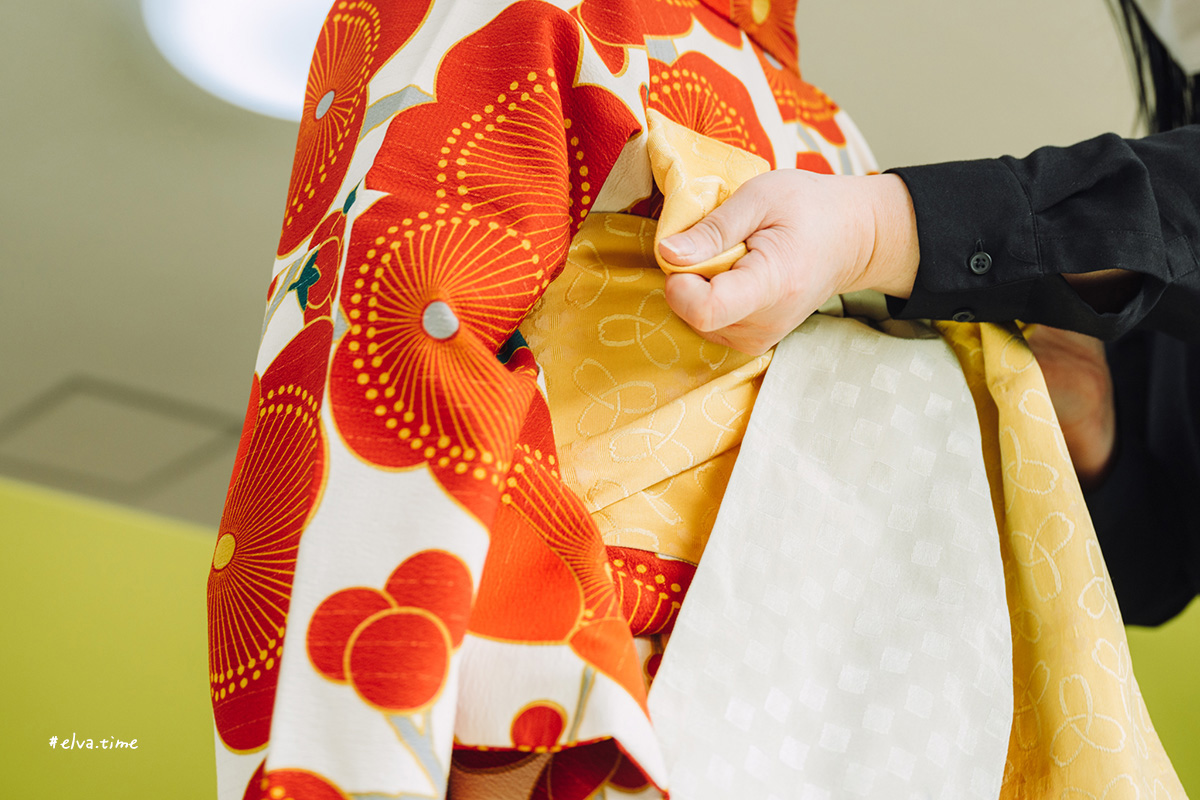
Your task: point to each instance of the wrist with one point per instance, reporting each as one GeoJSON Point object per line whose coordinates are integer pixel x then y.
{"type": "Point", "coordinates": [891, 231]}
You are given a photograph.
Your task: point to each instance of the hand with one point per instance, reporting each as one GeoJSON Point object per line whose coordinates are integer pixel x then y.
{"type": "Point", "coordinates": [1080, 386]}
{"type": "Point", "coordinates": [809, 237]}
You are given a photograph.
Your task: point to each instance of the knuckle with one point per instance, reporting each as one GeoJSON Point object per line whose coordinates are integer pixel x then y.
{"type": "Point", "coordinates": [712, 230]}
{"type": "Point", "coordinates": [728, 231]}
{"type": "Point", "coordinates": [703, 322]}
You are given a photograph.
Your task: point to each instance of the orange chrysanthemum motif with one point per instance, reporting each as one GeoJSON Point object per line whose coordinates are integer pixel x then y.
{"type": "Point", "coordinates": [431, 293]}
{"type": "Point", "coordinates": [294, 784]}
{"type": "Point", "coordinates": [544, 541]}
{"type": "Point", "coordinates": [650, 588]}
{"type": "Point", "coordinates": [356, 40]}
{"type": "Point", "coordinates": [700, 94]}
{"type": "Point", "coordinates": [538, 496]}
{"type": "Point", "coordinates": [770, 23]}
{"type": "Point", "coordinates": [784, 83]}
{"type": "Point", "coordinates": [415, 380]}
{"type": "Point", "coordinates": [519, 145]}
{"type": "Point", "coordinates": [247, 434]}
{"type": "Point", "coordinates": [549, 604]}
{"type": "Point", "coordinates": [817, 111]}
{"type": "Point", "coordinates": [814, 162]}
{"type": "Point", "coordinates": [614, 26]}
{"type": "Point", "coordinates": [275, 486]}
{"type": "Point", "coordinates": [799, 101]}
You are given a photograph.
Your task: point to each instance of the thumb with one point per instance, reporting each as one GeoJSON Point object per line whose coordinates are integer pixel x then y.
{"type": "Point", "coordinates": [727, 225]}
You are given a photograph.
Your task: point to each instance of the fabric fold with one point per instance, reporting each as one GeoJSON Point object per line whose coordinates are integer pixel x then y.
{"type": "Point", "coordinates": [1080, 726]}
{"type": "Point", "coordinates": [441, 574]}
{"type": "Point", "coordinates": [695, 173]}
{"type": "Point", "coordinates": [846, 633]}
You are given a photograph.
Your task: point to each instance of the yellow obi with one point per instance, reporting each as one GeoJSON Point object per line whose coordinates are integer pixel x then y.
{"type": "Point", "coordinates": [1080, 726]}
{"type": "Point", "coordinates": [647, 414]}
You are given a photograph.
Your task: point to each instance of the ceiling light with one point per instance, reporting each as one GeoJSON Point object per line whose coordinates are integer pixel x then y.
{"type": "Point", "coordinates": [252, 53]}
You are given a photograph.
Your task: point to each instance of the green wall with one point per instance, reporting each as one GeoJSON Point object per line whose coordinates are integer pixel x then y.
{"type": "Point", "coordinates": [1166, 661]}
{"type": "Point", "coordinates": [104, 635]}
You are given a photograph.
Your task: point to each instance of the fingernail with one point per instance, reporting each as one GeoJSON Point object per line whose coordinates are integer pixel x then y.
{"type": "Point", "coordinates": [678, 245]}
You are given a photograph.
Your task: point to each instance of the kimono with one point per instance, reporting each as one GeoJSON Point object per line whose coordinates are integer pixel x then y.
{"type": "Point", "coordinates": [457, 541]}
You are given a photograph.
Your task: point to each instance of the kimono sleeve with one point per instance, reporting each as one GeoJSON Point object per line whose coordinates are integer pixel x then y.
{"type": "Point", "coordinates": [396, 486]}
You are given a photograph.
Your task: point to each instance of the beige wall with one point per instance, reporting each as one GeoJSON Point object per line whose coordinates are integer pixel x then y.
{"type": "Point", "coordinates": [934, 80]}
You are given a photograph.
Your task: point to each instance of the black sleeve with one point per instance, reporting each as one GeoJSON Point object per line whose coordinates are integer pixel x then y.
{"type": "Point", "coordinates": [1107, 203]}
{"type": "Point", "coordinates": [1147, 512]}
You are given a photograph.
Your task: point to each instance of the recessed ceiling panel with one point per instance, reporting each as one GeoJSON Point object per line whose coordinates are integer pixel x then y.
{"type": "Point", "coordinates": [109, 439]}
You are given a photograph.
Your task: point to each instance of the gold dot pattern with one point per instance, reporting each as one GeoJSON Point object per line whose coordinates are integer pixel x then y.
{"type": "Point", "coordinates": [699, 94]}
{"type": "Point", "coordinates": [467, 206]}
{"type": "Point", "coordinates": [650, 588]}
{"type": "Point", "coordinates": [815, 109]}
{"type": "Point", "coordinates": [404, 394]}
{"type": "Point", "coordinates": [342, 64]}
{"type": "Point", "coordinates": [249, 585]}
{"type": "Point", "coordinates": [799, 101]}
{"type": "Point", "coordinates": [684, 91]}
{"type": "Point", "coordinates": [518, 161]}
{"type": "Point", "coordinates": [247, 590]}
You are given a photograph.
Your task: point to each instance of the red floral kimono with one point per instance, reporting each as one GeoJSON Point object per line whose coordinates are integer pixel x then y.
{"type": "Point", "coordinates": [405, 599]}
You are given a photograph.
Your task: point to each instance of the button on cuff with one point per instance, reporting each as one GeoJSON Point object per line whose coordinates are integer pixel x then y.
{"type": "Point", "coordinates": [963, 315]}
{"type": "Point", "coordinates": [980, 263]}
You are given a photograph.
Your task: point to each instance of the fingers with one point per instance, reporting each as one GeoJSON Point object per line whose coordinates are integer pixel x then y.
{"type": "Point", "coordinates": [725, 300]}
{"type": "Point", "coordinates": [730, 223]}
{"type": "Point", "coordinates": [690, 297]}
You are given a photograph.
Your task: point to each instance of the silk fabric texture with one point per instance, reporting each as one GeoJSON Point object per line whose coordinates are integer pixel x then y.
{"type": "Point", "coordinates": [849, 631]}
{"type": "Point", "coordinates": [401, 569]}
{"type": "Point", "coordinates": [401, 578]}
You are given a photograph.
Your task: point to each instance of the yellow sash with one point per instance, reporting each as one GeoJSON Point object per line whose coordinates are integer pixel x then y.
{"type": "Point", "coordinates": [649, 417]}
{"type": "Point", "coordinates": [1080, 727]}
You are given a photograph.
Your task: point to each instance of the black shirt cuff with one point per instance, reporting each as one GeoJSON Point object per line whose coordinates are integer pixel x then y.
{"type": "Point", "coordinates": [978, 243]}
